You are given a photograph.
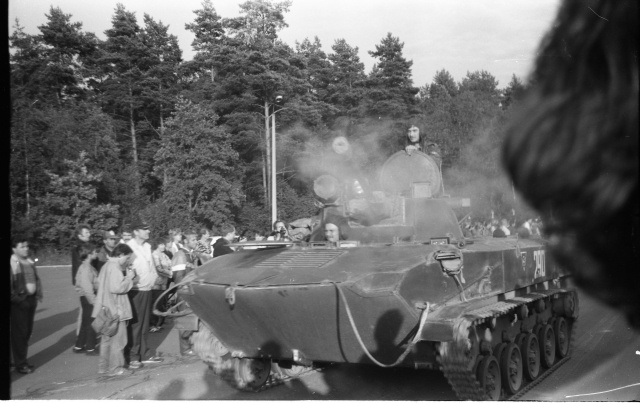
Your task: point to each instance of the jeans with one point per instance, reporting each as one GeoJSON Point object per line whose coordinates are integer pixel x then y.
{"type": "Point", "coordinates": [112, 349]}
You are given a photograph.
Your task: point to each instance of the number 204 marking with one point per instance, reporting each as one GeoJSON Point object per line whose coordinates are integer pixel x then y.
{"type": "Point", "coordinates": [538, 257]}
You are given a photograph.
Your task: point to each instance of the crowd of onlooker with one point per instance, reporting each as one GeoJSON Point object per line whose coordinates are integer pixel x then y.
{"type": "Point", "coordinates": [123, 273]}
{"type": "Point", "coordinates": [126, 274]}
{"type": "Point", "coordinates": [502, 228]}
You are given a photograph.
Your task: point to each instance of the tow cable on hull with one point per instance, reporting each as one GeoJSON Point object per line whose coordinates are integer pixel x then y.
{"type": "Point", "coordinates": [423, 320]}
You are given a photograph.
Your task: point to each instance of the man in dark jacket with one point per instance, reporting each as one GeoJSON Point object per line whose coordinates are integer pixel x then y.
{"type": "Point", "coordinates": [221, 247]}
{"type": "Point", "coordinates": [110, 239]}
{"type": "Point", "coordinates": [26, 291]}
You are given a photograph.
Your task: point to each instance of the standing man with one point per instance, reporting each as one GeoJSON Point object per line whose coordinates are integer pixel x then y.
{"type": "Point", "coordinates": [110, 240]}
{"type": "Point", "coordinates": [184, 260]}
{"type": "Point", "coordinates": [83, 233]}
{"type": "Point", "coordinates": [126, 234]}
{"type": "Point", "coordinates": [26, 292]}
{"type": "Point", "coordinates": [140, 296]}
{"type": "Point", "coordinates": [221, 247]}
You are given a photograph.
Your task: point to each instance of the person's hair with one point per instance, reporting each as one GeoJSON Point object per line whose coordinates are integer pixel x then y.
{"type": "Point", "coordinates": [226, 229]}
{"type": "Point", "coordinates": [276, 223]}
{"type": "Point", "coordinates": [80, 227]}
{"type": "Point", "coordinates": [126, 228]}
{"type": "Point", "coordinates": [190, 231]}
{"type": "Point", "coordinates": [175, 231]}
{"type": "Point", "coordinates": [204, 231]}
{"type": "Point", "coordinates": [341, 223]}
{"type": "Point", "coordinates": [86, 249]}
{"type": "Point", "coordinates": [159, 241]}
{"type": "Point", "coordinates": [572, 148]}
{"type": "Point", "coordinates": [121, 249]}
{"type": "Point", "coordinates": [18, 238]}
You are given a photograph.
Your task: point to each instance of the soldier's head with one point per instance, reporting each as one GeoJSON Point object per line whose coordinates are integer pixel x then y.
{"type": "Point", "coordinates": [331, 232]}
{"type": "Point", "coordinates": [335, 229]}
{"type": "Point", "coordinates": [413, 134]}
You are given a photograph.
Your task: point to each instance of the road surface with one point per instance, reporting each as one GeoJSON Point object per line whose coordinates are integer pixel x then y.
{"type": "Point", "coordinates": [605, 366]}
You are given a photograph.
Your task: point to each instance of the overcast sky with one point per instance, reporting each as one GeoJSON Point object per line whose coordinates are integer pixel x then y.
{"type": "Point", "coordinates": [499, 36]}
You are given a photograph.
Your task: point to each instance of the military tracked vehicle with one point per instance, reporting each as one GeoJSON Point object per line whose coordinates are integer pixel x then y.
{"type": "Point", "coordinates": [402, 287]}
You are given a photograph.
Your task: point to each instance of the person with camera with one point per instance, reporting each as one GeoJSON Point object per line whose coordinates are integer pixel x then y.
{"type": "Point", "coordinates": [280, 232]}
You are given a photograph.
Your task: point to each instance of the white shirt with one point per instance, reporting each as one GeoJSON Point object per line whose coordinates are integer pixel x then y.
{"type": "Point", "coordinates": [143, 265]}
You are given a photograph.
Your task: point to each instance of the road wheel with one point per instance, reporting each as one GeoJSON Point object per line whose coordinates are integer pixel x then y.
{"type": "Point", "coordinates": [530, 356]}
{"type": "Point", "coordinates": [547, 338]}
{"type": "Point", "coordinates": [511, 365]}
{"type": "Point", "coordinates": [497, 352]}
{"type": "Point", "coordinates": [488, 374]}
{"type": "Point", "coordinates": [250, 374]}
{"type": "Point", "coordinates": [562, 332]}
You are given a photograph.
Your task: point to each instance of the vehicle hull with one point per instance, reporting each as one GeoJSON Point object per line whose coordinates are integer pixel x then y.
{"type": "Point", "coordinates": [298, 312]}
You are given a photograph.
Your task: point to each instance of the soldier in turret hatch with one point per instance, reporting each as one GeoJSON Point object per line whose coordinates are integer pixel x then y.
{"type": "Point", "coordinates": [413, 140]}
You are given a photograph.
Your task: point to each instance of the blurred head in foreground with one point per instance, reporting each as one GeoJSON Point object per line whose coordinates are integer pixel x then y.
{"type": "Point", "coordinates": [572, 148]}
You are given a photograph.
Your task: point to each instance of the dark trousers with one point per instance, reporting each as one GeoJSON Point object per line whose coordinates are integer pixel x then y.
{"type": "Point", "coordinates": [87, 336]}
{"type": "Point", "coordinates": [22, 314]}
{"type": "Point", "coordinates": [139, 325]}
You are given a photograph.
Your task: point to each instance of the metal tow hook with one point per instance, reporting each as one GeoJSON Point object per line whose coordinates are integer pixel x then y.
{"type": "Point", "coordinates": [230, 295]}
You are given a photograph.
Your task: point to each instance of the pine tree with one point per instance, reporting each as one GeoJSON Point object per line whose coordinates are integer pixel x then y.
{"type": "Point", "coordinates": [121, 65]}
{"type": "Point", "coordinates": [160, 83]}
{"type": "Point", "coordinates": [390, 91]}
{"type": "Point", "coordinates": [64, 47]}
{"type": "Point", "coordinates": [70, 199]}
{"type": "Point", "coordinates": [514, 92]}
{"type": "Point", "coordinates": [345, 90]}
{"type": "Point", "coordinates": [203, 184]}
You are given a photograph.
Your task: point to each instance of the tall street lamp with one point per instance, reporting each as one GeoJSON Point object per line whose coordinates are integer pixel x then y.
{"type": "Point", "coordinates": [274, 206]}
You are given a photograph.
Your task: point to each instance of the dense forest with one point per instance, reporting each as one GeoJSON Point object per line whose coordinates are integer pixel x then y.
{"type": "Point", "coordinates": [103, 131]}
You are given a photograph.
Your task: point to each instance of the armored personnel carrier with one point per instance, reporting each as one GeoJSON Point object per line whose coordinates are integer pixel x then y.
{"type": "Point", "coordinates": [402, 287]}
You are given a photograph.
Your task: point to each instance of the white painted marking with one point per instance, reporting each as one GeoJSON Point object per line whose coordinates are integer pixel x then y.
{"type": "Point", "coordinates": [606, 391]}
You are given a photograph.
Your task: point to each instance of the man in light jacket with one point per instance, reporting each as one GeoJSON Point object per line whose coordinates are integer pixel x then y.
{"type": "Point", "coordinates": [140, 296]}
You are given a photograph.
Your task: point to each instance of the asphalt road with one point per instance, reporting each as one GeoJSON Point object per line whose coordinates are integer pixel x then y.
{"type": "Point", "coordinates": [605, 366]}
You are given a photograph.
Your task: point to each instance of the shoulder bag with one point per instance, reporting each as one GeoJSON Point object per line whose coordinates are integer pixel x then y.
{"type": "Point", "coordinates": [105, 323]}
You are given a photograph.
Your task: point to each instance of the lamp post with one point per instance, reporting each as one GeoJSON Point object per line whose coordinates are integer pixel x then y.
{"type": "Point", "coordinates": [274, 203]}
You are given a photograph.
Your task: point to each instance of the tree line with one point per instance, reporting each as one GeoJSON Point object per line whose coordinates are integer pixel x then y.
{"type": "Point", "coordinates": [106, 130]}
